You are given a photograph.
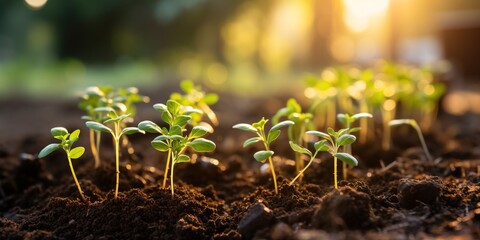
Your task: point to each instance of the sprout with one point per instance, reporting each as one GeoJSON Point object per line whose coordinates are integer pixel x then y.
{"type": "Point", "coordinates": [195, 97]}
{"type": "Point", "coordinates": [67, 140]}
{"type": "Point", "coordinates": [259, 129]}
{"type": "Point", "coordinates": [303, 121]}
{"type": "Point", "coordinates": [173, 140]}
{"type": "Point", "coordinates": [117, 132]}
{"type": "Point", "coordinates": [347, 122]}
{"type": "Point", "coordinates": [414, 124]}
{"type": "Point", "coordinates": [330, 143]}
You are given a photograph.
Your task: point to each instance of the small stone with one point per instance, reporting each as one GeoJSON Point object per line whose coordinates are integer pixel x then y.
{"type": "Point", "coordinates": [258, 216]}
{"type": "Point", "coordinates": [412, 192]}
{"type": "Point", "coordinates": [281, 231]}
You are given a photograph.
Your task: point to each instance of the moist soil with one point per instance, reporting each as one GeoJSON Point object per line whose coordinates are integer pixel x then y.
{"type": "Point", "coordinates": [395, 194]}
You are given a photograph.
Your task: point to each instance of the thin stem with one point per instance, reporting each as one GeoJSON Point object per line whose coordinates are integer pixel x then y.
{"type": "Point", "coordinates": [422, 141]}
{"type": "Point", "coordinates": [363, 134]}
{"type": "Point", "coordinates": [335, 172]}
{"type": "Point", "coordinates": [75, 176]}
{"type": "Point", "coordinates": [210, 114]}
{"type": "Point", "coordinates": [169, 156]}
{"type": "Point", "coordinates": [303, 170]}
{"type": "Point", "coordinates": [117, 159]}
{"type": "Point", "coordinates": [171, 177]}
{"type": "Point", "coordinates": [270, 161]}
{"type": "Point", "coordinates": [97, 142]}
{"type": "Point", "coordinates": [94, 148]}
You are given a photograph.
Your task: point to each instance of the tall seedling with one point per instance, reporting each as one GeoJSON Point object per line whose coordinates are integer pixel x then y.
{"type": "Point", "coordinates": [67, 140]}
{"type": "Point", "coordinates": [303, 121]}
{"type": "Point", "coordinates": [173, 139]}
{"type": "Point", "coordinates": [413, 123]}
{"type": "Point", "coordinates": [331, 143]}
{"type": "Point", "coordinates": [347, 122]}
{"type": "Point", "coordinates": [117, 131]}
{"type": "Point", "coordinates": [259, 129]}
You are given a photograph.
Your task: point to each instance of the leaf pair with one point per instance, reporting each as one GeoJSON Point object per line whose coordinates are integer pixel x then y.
{"type": "Point", "coordinates": [67, 141]}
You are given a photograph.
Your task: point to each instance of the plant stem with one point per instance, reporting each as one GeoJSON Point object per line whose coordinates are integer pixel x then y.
{"type": "Point", "coordinates": [169, 156]}
{"type": "Point", "coordinates": [422, 141]}
{"type": "Point", "coordinates": [117, 159]}
{"type": "Point", "coordinates": [93, 147]}
{"type": "Point", "coordinates": [171, 177]}
{"type": "Point", "coordinates": [210, 114]}
{"type": "Point", "coordinates": [363, 134]}
{"type": "Point", "coordinates": [302, 171]}
{"type": "Point", "coordinates": [75, 177]}
{"type": "Point", "coordinates": [335, 172]}
{"type": "Point", "coordinates": [270, 161]}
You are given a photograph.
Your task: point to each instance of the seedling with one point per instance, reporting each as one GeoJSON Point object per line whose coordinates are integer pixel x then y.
{"type": "Point", "coordinates": [331, 143]}
{"type": "Point", "coordinates": [173, 140]}
{"type": "Point", "coordinates": [67, 140]}
{"type": "Point", "coordinates": [414, 124]}
{"type": "Point", "coordinates": [259, 129]}
{"type": "Point", "coordinates": [195, 97]}
{"type": "Point", "coordinates": [117, 132]}
{"type": "Point", "coordinates": [347, 122]}
{"type": "Point", "coordinates": [303, 121]}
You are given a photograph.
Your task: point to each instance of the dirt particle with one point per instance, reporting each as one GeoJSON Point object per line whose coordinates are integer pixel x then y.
{"type": "Point", "coordinates": [413, 192]}
{"type": "Point", "coordinates": [258, 216]}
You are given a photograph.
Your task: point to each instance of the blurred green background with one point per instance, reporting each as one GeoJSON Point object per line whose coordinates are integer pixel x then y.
{"type": "Point", "coordinates": [58, 48]}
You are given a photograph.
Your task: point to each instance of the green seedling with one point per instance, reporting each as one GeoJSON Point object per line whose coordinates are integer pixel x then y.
{"type": "Point", "coordinates": [195, 97]}
{"type": "Point", "coordinates": [117, 132]}
{"type": "Point", "coordinates": [67, 140]}
{"type": "Point", "coordinates": [347, 122]}
{"type": "Point", "coordinates": [303, 121]}
{"type": "Point", "coordinates": [174, 140]}
{"type": "Point", "coordinates": [259, 129]}
{"type": "Point", "coordinates": [331, 143]}
{"type": "Point", "coordinates": [414, 124]}
{"type": "Point", "coordinates": [94, 97]}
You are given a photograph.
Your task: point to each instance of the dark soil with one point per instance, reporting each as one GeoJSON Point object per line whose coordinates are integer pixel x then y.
{"type": "Point", "coordinates": [226, 195]}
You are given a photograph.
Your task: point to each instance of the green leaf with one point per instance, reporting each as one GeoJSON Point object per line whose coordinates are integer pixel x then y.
{"type": "Point", "coordinates": [272, 135]}
{"type": "Point", "coordinates": [281, 113]}
{"type": "Point", "coordinates": [48, 149]}
{"type": "Point", "coordinates": [321, 146]}
{"type": "Point", "coordinates": [202, 145]}
{"type": "Point", "coordinates": [182, 158]}
{"type": "Point", "coordinates": [187, 86]}
{"type": "Point", "coordinates": [181, 120]}
{"type": "Point", "coordinates": [355, 129]}
{"type": "Point", "coordinates": [198, 131]}
{"type": "Point", "coordinates": [190, 110]}
{"type": "Point", "coordinates": [149, 126]}
{"type": "Point", "coordinates": [299, 149]}
{"type": "Point", "coordinates": [159, 145]}
{"type": "Point", "coordinates": [260, 156]}
{"type": "Point", "coordinates": [175, 130]}
{"type": "Point", "coordinates": [398, 122]}
{"type": "Point", "coordinates": [282, 124]}
{"type": "Point", "coordinates": [117, 119]}
{"type": "Point", "coordinates": [160, 107]}
{"type": "Point", "coordinates": [76, 152]}
{"type": "Point", "coordinates": [362, 115]}
{"type": "Point", "coordinates": [173, 107]}
{"type": "Point", "coordinates": [251, 141]}
{"type": "Point", "coordinates": [293, 105]}
{"type": "Point", "coordinates": [260, 124]}
{"type": "Point", "coordinates": [74, 135]}
{"type": "Point", "coordinates": [245, 127]}
{"type": "Point", "coordinates": [331, 131]}
{"type": "Point", "coordinates": [210, 98]}
{"type": "Point", "coordinates": [347, 158]}
{"type": "Point", "coordinates": [342, 118]}
{"type": "Point", "coordinates": [103, 109]}
{"type": "Point", "coordinates": [98, 126]}
{"type": "Point", "coordinates": [345, 139]}
{"type": "Point", "coordinates": [167, 117]}
{"type": "Point", "coordinates": [319, 134]}
{"type": "Point", "coordinates": [58, 132]}
{"type": "Point", "coordinates": [131, 130]}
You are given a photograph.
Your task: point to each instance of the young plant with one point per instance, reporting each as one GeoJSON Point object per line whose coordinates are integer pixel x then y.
{"type": "Point", "coordinates": [173, 140]}
{"type": "Point", "coordinates": [331, 143]}
{"type": "Point", "coordinates": [94, 97]}
{"type": "Point", "coordinates": [414, 124]}
{"type": "Point", "coordinates": [67, 140]}
{"type": "Point", "coordinates": [259, 129]}
{"type": "Point", "coordinates": [303, 121]}
{"type": "Point", "coordinates": [117, 132]}
{"type": "Point", "coordinates": [347, 122]}
{"type": "Point", "coordinates": [195, 97]}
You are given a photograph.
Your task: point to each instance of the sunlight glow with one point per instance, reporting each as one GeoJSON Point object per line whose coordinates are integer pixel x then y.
{"type": "Point", "coordinates": [358, 13]}
{"type": "Point", "coordinates": [36, 4]}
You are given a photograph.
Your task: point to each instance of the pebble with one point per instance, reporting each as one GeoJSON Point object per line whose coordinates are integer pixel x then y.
{"type": "Point", "coordinates": [258, 216]}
